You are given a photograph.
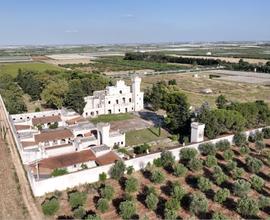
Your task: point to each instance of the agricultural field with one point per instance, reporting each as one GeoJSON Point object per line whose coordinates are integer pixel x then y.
{"type": "Point", "coordinates": [217, 182]}
{"type": "Point", "coordinates": [192, 87]}
{"type": "Point", "coordinates": [12, 68]}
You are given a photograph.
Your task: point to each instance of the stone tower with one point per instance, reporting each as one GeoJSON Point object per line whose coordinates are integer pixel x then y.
{"type": "Point", "coordinates": [137, 95]}
{"type": "Point", "coordinates": [197, 132]}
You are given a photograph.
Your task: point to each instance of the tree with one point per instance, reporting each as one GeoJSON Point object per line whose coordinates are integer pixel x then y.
{"type": "Point", "coordinates": [221, 101]}
{"type": "Point", "coordinates": [131, 185]}
{"type": "Point", "coordinates": [221, 195]}
{"type": "Point", "coordinates": [239, 139]}
{"type": "Point", "coordinates": [157, 177]}
{"type": "Point", "coordinates": [75, 96]}
{"type": "Point", "coordinates": [203, 184]}
{"type": "Point", "coordinates": [210, 161]}
{"type": "Point", "coordinates": [259, 145]}
{"type": "Point", "coordinates": [223, 145]}
{"type": "Point", "coordinates": [264, 202]}
{"type": "Point", "coordinates": [254, 165]}
{"type": "Point", "coordinates": [228, 155]}
{"type": "Point", "coordinates": [151, 201]}
{"type": "Point", "coordinates": [172, 204]}
{"type": "Point", "coordinates": [179, 170]}
{"type": "Point", "coordinates": [102, 177]}
{"type": "Point", "coordinates": [92, 217]}
{"type": "Point", "coordinates": [198, 203]}
{"type": "Point", "coordinates": [219, 216]}
{"type": "Point", "coordinates": [244, 150]}
{"type": "Point", "coordinates": [130, 170]}
{"type": "Point", "coordinates": [59, 172]}
{"type": "Point", "coordinates": [177, 191]}
{"type": "Point", "coordinates": [127, 209]}
{"type": "Point", "coordinates": [207, 149]}
{"type": "Point", "coordinates": [167, 158]}
{"type": "Point", "coordinates": [170, 214]}
{"type": "Point", "coordinates": [76, 199]}
{"type": "Point", "coordinates": [54, 93]}
{"type": "Point", "coordinates": [79, 212]}
{"type": "Point", "coordinates": [188, 153]}
{"type": "Point", "coordinates": [118, 170]}
{"type": "Point", "coordinates": [50, 206]}
{"type": "Point", "coordinates": [150, 189]}
{"type": "Point", "coordinates": [254, 137]}
{"type": "Point", "coordinates": [237, 172]}
{"type": "Point", "coordinates": [247, 206]}
{"type": "Point", "coordinates": [266, 133]}
{"type": "Point", "coordinates": [241, 187]}
{"type": "Point", "coordinates": [102, 205]}
{"type": "Point", "coordinates": [219, 176]}
{"type": "Point", "coordinates": [107, 192]}
{"type": "Point", "coordinates": [195, 164]}
{"type": "Point", "coordinates": [257, 182]}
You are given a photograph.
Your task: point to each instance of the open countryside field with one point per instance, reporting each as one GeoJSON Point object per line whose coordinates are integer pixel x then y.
{"type": "Point", "coordinates": [181, 201]}
{"type": "Point", "coordinates": [193, 87]}
{"type": "Point", "coordinates": [12, 68]}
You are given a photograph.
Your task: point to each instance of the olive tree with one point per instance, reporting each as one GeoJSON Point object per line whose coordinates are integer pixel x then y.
{"type": "Point", "coordinates": [167, 158]}
{"type": "Point", "coordinates": [254, 165]}
{"type": "Point", "coordinates": [219, 176]}
{"type": "Point", "coordinates": [239, 139]}
{"type": "Point", "coordinates": [195, 164]}
{"type": "Point", "coordinates": [257, 182]}
{"type": "Point", "coordinates": [157, 176]}
{"type": "Point", "coordinates": [259, 145]}
{"type": "Point", "coordinates": [170, 214]}
{"type": "Point", "coordinates": [244, 150]}
{"type": "Point", "coordinates": [172, 204]}
{"type": "Point", "coordinates": [237, 172]}
{"type": "Point", "coordinates": [179, 169]}
{"type": "Point", "coordinates": [221, 195]}
{"type": "Point", "coordinates": [247, 206]}
{"type": "Point", "coordinates": [131, 185]}
{"type": "Point", "coordinates": [241, 187]}
{"type": "Point", "coordinates": [228, 155]}
{"type": "Point", "coordinates": [210, 161]}
{"type": "Point", "coordinates": [107, 192]}
{"type": "Point", "coordinates": [207, 149]}
{"type": "Point", "coordinates": [223, 145]}
{"type": "Point", "coordinates": [198, 203]}
{"type": "Point", "coordinates": [266, 133]}
{"type": "Point", "coordinates": [79, 213]}
{"type": "Point", "coordinates": [50, 206]}
{"type": "Point", "coordinates": [188, 153]}
{"type": "Point", "coordinates": [219, 216]}
{"type": "Point", "coordinates": [204, 184]}
{"type": "Point", "coordinates": [151, 201]}
{"type": "Point", "coordinates": [102, 205]}
{"type": "Point", "coordinates": [127, 209]}
{"type": "Point", "coordinates": [231, 165]}
{"type": "Point", "coordinates": [76, 199]}
{"type": "Point", "coordinates": [118, 170]}
{"type": "Point", "coordinates": [264, 202]}
{"type": "Point", "coordinates": [177, 191]}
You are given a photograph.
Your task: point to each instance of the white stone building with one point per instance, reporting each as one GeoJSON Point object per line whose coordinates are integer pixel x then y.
{"type": "Point", "coordinates": [115, 99]}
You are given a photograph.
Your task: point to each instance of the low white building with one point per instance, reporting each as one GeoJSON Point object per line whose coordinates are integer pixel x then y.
{"type": "Point", "coordinates": [115, 99]}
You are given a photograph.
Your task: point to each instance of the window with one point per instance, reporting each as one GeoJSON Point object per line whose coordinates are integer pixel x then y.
{"type": "Point", "coordinates": [97, 112]}
{"type": "Point", "coordinates": [119, 110]}
{"type": "Point", "coordinates": [117, 101]}
{"type": "Point", "coordinates": [86, 113]}
{"type": "Point", "coordinates": [122, 142]}
{"type": "Point", "coordinates": [110, 111]}
{"type": "Point", "coordinates": [126, 110]}
{"type": "Point", "coordinates": [129, 99]}
{"type": "Point", "coordinates": [75, 165]}
{"type": "Point", "coordinates": [92, 113]}
{"type": "Point", "coordinates": [109, 102]}
{"type": "Point", "coordinates": [120, 92]}
{"type": "Point", "coordinates": [124, 100]}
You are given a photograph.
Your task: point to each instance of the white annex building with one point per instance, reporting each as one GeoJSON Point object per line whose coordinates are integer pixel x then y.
{"type": "Point", "coordinates": [115, 99]}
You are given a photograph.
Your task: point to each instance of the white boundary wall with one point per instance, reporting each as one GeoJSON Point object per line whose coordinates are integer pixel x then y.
{"type": "Point", "coordinates": [92, 175]}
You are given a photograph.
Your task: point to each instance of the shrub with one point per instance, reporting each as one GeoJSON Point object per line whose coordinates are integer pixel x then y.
{"type": "Point", "coordinates": [223, 145]}
{"type": "Point", "coordinates": [259, 145]}
{"type": "Point", "coordinates": [131, 185]}
{"type": "Point", "coordinates": [167, 159]}
{"type": "Point", "coordinates": [92, 217]}
{"type": "Point", "coordinates": [188, 153]}
{"type": "Point", "coordinates": [54, 125]}
{"type": "Point", "coordinates": [102, 177]}
{"type": "Point", "coordinates": [207, 149]}
{"type": "Point", "coordinates": [179, 170]}
{"type": "Point", "coordinates": [221, 195]}
{"type": "Point", "coordinates": [203, 184]}
{"type": "Point", "coordinates": [79, 212]}
{"type": "Point", "coordinates": [102, 205]}
{"type": "Point", "coordinates": [118, 170]}
{"type": "Point", "coordinates": [107, 192]}
{"type": "Point", "coordinates": [254, 165]}
{"type": "Point", "coordinates": [264, 202]}
{"type": "Point", "coordinates": [241, 187]}
{"type": "Point", "coordinates": [257, 182]}
{"type": "Point", "coordinates": [219, 176]}
{"type": "Point", "coordinates": [244, 150]}
{"type": "Point", "coordinates": [151, 201]}
{"type": "Point", "coordinates": [231, 165]}
{"type": "Point", "coordinates": [157, 162]}
{"type": "Point", "coordinates": [195, 164]}
{"type": "Point", "coordinates": [210, 161]}
{"type": "Point", "coordinates": [157, 177]}
{"type": "Point", "coordinates": [172, 204]}
{"type": "Point", "coordinates": [127, 209]}
{"type": "Point", "coordinates": [247, 206]}
{"type": "Point", "coordinates": [198, 203]}
{"type": "Point", "coordinates": [266, 133]}
{"type": "Point", "coordinates": [257, 136]}
{"type": "Point", "coordinates": [150, 189]}
{"type": "Point", "coordinates": [50, 206]}
{"type": "Point", "coordinates": [128, 197]}
{"type": "Point", "coordinates": [177, 191]}
{"type": "Point", "coordinates": [239, 139]}
{"type": "Point", "coordinates": [76, 199]}
{"type": "Point", "coordinates": [170, 214]}
{"type": "Point", "coordinates": [59, 172]}
{"type": "Point", "coordinates": [130, 170]}
{"type": "Point", "coordinates": [142, 149]}
{"type": "Point", "coordinates": [228, 155]}
{"type": "Point", "coordinates": [237, 172]}
{"type": "Point", "coordinates": [219, 216]}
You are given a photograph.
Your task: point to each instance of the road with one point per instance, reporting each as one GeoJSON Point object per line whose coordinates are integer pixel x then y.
{"type": "Point", "coordinates": [27, 196]}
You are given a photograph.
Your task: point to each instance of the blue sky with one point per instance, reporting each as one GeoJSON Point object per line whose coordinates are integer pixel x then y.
{"type": "Point", "coordinates": [132, 21]}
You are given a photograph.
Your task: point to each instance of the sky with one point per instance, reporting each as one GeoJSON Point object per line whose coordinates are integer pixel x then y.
{"type": "Point", "coordinates": [35, 22]}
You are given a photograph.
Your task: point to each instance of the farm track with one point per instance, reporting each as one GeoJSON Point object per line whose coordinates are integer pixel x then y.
{"type": "Point", "coordinates": [26, 192]}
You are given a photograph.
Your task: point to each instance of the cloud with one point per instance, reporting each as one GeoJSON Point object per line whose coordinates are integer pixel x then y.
{"type": "Point", "coordinates": [128, 16]}
{"type": "Point", "coordinates": [71, 31]}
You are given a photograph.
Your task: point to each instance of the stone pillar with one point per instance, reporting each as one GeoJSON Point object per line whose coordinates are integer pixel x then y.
{"type": "Point", "coordinates": [104, 129]}
{"type": "Point", "coordinates": [197, 132]}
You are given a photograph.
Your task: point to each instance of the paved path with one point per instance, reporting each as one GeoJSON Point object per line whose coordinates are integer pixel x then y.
{"type": "Point", "coordinates": [27, 196]}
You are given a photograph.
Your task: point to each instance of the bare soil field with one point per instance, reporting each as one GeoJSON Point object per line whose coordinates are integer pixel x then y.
{"type": "Point", "coordinates": [193, 86]}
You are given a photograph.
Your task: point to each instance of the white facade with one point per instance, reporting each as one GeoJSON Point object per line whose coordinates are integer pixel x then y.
{"type": "Point", "coordinates": [197, 132]}
{"type": "Point", "coordinates": [115, 99]}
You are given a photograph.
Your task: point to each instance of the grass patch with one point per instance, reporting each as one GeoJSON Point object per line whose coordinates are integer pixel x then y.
{"type": "Point", "coordinates": [12, 68]}
{"type": "Point", "coordinates": [145, 136]}
{"type": "Point", "coordinates": [112, 117]}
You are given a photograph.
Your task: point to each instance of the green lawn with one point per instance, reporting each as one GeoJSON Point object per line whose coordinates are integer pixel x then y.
{"type": "Point", "coordinates": [12, 68]}
{"type": "Point", "coordinates": [112, 117]}
{"type": "Point", "coordinates": [144, 136]}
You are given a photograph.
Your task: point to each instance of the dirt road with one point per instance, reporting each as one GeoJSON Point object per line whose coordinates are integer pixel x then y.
{"type": "Point", "coordinates": [22, 183]}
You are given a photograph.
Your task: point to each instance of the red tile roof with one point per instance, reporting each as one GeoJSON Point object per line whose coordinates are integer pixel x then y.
{"type": "Point", "coordinates": [75, 120]}
{"type": "Point", "coordinates": [53, 135]}
{"type": "Point", "coordinates": [46, 119]}
{"type": "Point", "coordinates": [108, 158]}
{"type": "Point", "coordinates": [22, 127]}
{"type": "Point", "coordinates": [28, 143]}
